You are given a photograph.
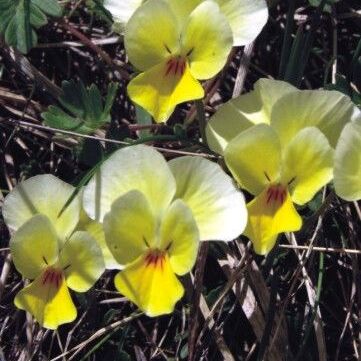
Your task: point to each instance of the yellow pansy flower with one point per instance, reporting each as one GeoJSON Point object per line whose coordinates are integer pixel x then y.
{"type": "Point", "coordinates": [278, 176]}
{"type": "Point", "coordinates": [277, 142]}
{"type": "Point", "coordinates": [347, 169]}
{"type": "Point", "coordinates": [46, 249]}
{"type": "Point", "coordinates": [155, 213]}
{"type": "Point", "coordinates": [174, 52]}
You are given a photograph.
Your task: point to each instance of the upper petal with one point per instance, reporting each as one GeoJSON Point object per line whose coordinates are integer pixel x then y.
{"type": "Point", "coordinates": [161, 88]}
{"type": "Point", "coordinates": [246, 17]}
{"type": "Point", "coordinates": [268, 217]}
{"type": "Point", "coordinates": [136, 167]}
{"type": "Point", "coordinates": [347, 171]}
{"type": "Point", "coordinates": [44, 194]}
{"type": "Point", "coordinates": [152, 33]}
{"type": "Point", "coordinates": [130, 227]}
{"type": "Point", "coordinates": [207, 39]}
{"type": "Point", "coordinates": [307, 164]}
{"type": "Point", "coordinates": [121, 11]}
{"type": "Point", "coordinates": [82, 261]}
{"type": "Point", "coordinates": [217, 206]}
{"type": "Point", "coordinates": [244, 111]}
{"type": "Point", "coordinates": [180, 237]}
{"type": "Point", "coordinates": [327, 110]}
{"type": "Point", "coordinates": [34, 246]}
{"type": "Point", "coordinates": [153, 287]}
{"type": "Point", "coordinates": [49, 303]}
{"type": "Point", "coordinates": [254, 158]}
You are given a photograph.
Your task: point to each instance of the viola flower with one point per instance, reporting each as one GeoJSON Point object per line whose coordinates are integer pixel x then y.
{"type": "Point", "coordinates": [277, 142]}
{"type": "Point", "coordinates": [155, 213]}
{"type": "Point", "coordinates": [278, 176]}
{"type": "Point", "coordinates": [246, 17]}
{"type": "Point", "coordinates": [173, 50]}
{"type": "Point", "coordinates": [347, 169]}
{"type": "Point", "coordinates": [46, 249]}
{"type": "Point", "coordinates": [277, 103]}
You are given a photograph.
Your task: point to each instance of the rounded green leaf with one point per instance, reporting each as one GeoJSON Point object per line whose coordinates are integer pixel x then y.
{"type": "Point", "coordinates": [217, 206]}
{"type": "Point", "coordinates": [347, 170]}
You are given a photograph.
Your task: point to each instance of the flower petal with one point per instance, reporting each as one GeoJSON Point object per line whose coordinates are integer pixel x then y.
{"type": "Point", "coordinates": [267, 219]}
{"type": "Point", "coordinates": [130, 227]}
{"type": "Point", "coordinates": [217, 206]}
{"type": "Point", "coordinates": [151, 34]}
{"type": "Point", "coordinates": [51, 306]}
{"type": "Point", "coordinates": [254, 158]}
{"type": "Point", "coordinates": [244, 111]}
{"type": "Point", "coordinates": [82, 261]}
{"type": "Point", "coordinates": [44, 194]}
{"type": "Point", "coordinates": [121, 11]}
{"type": "Point", "coordinates": [95, 229]}
{"type": "Point", "coordinates": [159, 92]}
{"type": "Point", "coordinates": [246, 17]}
{"type": "Point", "coordinates": [34, 246]}
{"type": "Point", "coordinates": [307, 164]}
{"type": "Point", "coordinates": [180, 237]}
{"type": "Point", "coordinates": [155, 289]}
{"type": "Point", "coordinates": [137, 167]}
{"type": "Point", "coordinates": [207, 38]}
{"type": "Point", "coordinates": [347, 171]}
{"type": "Point", "coordinates": [327, 110]}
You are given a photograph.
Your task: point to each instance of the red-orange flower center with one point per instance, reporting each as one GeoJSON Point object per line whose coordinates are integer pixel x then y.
{"type": "Point", "coordinates": [175, 66]}
{"type": "Point", "coordinates": [276, 194]}
{"type": "Point", "coordinates": [155, 258]}
{"type": "Point", "coordinates": [52, 277]}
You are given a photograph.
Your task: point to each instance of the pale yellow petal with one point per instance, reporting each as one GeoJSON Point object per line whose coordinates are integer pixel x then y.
{"type": "Point", "coordinates": [217, 205]}
{"type": "Point", "coordinates": [254, 158]}
{"type": "Point", "coordinates": [136, 167]}
{"type": "Point", "coordinates": [44, 194]}
{"type": "Point", "coordinates": [34, 246]}
{"type": "Point", "coordinates": [347, 171]}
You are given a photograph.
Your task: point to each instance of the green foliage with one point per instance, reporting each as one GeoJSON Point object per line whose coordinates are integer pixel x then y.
{"type": "Point", "coordinates": [20, 18]}
{"type": "Point", "coordinates": [85, 108]}
{"type": "Point", "coordinates": [327, 6]}
{"type": "Point", "coordinates": [96, 6]}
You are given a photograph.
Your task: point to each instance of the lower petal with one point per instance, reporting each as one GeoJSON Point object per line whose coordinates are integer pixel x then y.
{"type": "Point", "coordinates": [48, 301]}
{"type": "Point", "coordinates": [271, 213]}
{"type": "Point", "coordinates": [160, 89]}
{"type": "Point", "coordinates": [151, 284]}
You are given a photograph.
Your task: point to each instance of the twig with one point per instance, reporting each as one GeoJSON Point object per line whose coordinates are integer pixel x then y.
{"type": "Point", "coordinates": [322, 249]}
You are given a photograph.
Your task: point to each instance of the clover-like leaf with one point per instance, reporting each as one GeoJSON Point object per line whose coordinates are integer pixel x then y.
{"type": "Point", "coordinates": [83, 109]}
{"type": "Point", "coordinates": [20, 18]}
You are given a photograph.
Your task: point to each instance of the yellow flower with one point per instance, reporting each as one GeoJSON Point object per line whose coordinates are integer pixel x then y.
{"type": "Point", "coordinates": [155, 213]}
{"type": "Point", "coordinates": [46, 249]}
{"type": "Point", "coordinates": [278, 177]}
{"type": "Point", "coordinates": [173, 52]}
{"type": "Point", "coordinates": [277, 142]}
{"type": "Point", "coordinates": [246, 17]}
{"type": "Point", "coordinates": [347, 170]}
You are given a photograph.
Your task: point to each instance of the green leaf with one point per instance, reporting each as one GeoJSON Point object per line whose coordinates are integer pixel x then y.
{"type": "Point", "coordinates": [20, 18]}
{"type": "Point", "coordinates": [84, 109]}
{"type": "Point", "coordinates": [327, 7]}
